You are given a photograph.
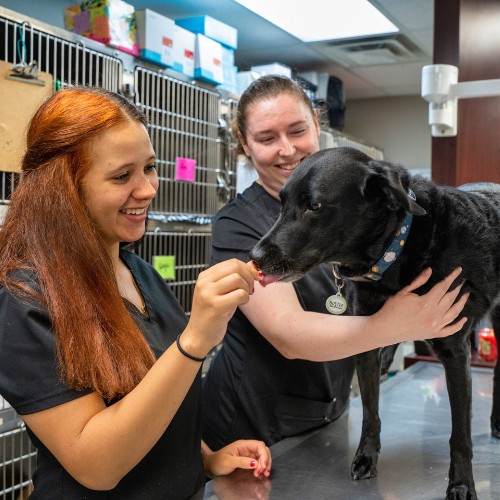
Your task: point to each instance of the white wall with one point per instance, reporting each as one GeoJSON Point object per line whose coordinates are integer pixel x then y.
{"type": "Point", "coordinates": [397, 125]}
{"type": "Point", "coordinates": [47, 11]}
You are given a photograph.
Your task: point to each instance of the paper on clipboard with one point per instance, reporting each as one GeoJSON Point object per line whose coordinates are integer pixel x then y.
{"type": "Point", "coordinates": [18, 102]}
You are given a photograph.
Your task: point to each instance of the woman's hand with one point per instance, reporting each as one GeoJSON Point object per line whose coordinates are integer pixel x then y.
{"type": "Point", "coordinates": [218, 292]}
{"type": "Point", "coordinates": [432, 315]}
{"type": "Point", "coordinates": [243, 454]}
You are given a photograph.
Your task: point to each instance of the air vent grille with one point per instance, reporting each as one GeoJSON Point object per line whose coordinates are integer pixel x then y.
{"type": "Point", "coordinates": [374, 50]}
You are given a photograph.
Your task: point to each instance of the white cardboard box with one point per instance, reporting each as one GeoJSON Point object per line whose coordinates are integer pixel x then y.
{"type": "Point", "coordinates": [208, 60]}
{"type": "Point", "coordinates": [155, 37]}
{"type": "Point", "coordinates": [213, 28]}
{"type": "Point", "coordinates": [184, 51]}
{"type": "Point", "coordinates": [273, 69]}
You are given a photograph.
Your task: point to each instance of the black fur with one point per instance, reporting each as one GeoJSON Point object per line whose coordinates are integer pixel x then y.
{"type": "Point", "coordinates": [343, 207]}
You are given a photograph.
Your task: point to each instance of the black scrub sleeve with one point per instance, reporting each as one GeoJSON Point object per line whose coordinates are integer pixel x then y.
{"type": "Point", "coordinates": [29, 375]}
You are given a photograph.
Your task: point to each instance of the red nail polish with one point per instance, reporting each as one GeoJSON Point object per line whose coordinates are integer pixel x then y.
{"type": "Point", "coordinates": [261, 274]}
{"type": "Point", "coordinates": [253, 463]}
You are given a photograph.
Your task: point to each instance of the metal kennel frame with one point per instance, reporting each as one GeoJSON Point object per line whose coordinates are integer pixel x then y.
{"type": "Point", "coordinates": [17, 455]}
{"type": "Point", "coordinates": [69, 62]}
{"type": "Point", "coordinates": [191, 251]}
{"type": "Point", "coordinates": [183, 124]}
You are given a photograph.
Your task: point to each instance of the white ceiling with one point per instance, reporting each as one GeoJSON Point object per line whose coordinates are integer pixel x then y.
{"type": "Point", "coordinates": [260, 42]}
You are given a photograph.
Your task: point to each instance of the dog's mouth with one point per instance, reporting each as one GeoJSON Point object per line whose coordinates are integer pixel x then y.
{"type": "Point", "coordinates": [270, 278]}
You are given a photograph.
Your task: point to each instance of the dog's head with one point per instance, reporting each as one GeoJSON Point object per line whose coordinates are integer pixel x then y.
{"type": "Point", "coordinates": [338, 206]}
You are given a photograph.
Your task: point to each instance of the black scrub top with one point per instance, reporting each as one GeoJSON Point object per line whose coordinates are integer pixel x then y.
{"type": "Point", "coordinates": [251, 391]}
{"type": "Point", "coordinates": [29, 381]}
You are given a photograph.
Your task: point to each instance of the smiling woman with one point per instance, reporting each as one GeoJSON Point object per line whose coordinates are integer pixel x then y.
{"type": "Point", "coordinates": [96, 354]}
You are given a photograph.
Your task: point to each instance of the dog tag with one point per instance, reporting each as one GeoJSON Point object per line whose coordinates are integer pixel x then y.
{"type": "Point", "coordinates": [336, 304]}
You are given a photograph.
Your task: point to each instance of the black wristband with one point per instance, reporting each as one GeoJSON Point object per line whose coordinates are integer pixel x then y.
{"type": "Point", "coordinates": [190, 356]}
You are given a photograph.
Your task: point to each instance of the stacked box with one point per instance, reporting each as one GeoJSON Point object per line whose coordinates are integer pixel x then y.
{"type": "Point", "coordinates": [244, 79]}
{"type": "Point", "coordinates": [111, 22]}
{"type": "Point", "coordinates": [184, 51]}
{"type": "Point", "coordinates": [273, 69]}
{"type": "Point", "coordinates": [212, 28]}
{"type": "Point", "coordinates": [155, 36]}
{"type": "Point", "coordinates": [229, 70]}
{"type": "Point", "coordinates": [230, 75]}
{"type": "Point", "coordinates": [208, 60]}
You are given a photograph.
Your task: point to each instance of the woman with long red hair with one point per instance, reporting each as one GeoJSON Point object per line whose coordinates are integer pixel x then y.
{"type": "Point", "coordinates": [96, 354]}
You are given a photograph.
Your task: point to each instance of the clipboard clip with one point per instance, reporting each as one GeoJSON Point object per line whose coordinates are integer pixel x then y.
{"type": "Point", "coordinates": [27, 73]}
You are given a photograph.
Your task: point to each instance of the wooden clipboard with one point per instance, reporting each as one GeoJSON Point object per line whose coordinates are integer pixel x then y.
{"type": "Point", "coordinates": [18, 102]}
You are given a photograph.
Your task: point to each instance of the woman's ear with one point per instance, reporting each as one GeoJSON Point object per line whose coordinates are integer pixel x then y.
{"type": "Point", "coordinates": [243, 143]}
{"type": "Point", "coordinates": [316, 122]}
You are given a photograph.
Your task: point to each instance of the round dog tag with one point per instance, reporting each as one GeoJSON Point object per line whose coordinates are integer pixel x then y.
{"type": "Point", "coordinates": [336, 304]}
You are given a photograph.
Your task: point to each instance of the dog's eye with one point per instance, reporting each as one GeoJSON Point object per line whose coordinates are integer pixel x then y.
{"type": "Point", "coordinates": [313, 205]}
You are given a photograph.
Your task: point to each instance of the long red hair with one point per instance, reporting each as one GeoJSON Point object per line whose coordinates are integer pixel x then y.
{"type": "Point", "coordinates": [48, 230]}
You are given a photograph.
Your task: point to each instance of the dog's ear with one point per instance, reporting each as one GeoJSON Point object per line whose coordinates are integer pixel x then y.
{"type": "Point", "coordinates": [383, 184]}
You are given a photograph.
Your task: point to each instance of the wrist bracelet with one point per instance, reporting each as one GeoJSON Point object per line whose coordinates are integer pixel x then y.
{"type": "Point", "coordinates": [190, 356]}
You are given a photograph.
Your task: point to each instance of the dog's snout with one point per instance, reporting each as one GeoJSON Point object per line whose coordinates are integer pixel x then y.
{"type": "Point", "coordinates": [257, 254]}
{"type": "Point", "coordinates": [266, 255]}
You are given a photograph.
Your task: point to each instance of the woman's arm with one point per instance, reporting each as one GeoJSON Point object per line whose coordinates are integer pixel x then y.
{"type": "Point", "coordinates": [98, 445]}
{"type": "Point", "coordinates": [277, 314]}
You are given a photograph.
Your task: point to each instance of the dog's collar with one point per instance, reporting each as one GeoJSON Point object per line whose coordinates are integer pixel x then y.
{"type": "Point", "coordinates": [392, 252]}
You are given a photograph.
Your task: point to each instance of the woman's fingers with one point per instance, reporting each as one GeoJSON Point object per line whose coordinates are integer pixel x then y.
{"type": "Point", "coordinates": [243, 454]}
{"type": "Point", "coordinates": [441, 288]}
{"type": "Point", "coordinates": [420, 280]}
{"type": "Point", "coordinates": [228, 267]}
{"type": "Point", "coordinates": [219, 290]}
{"type": "Point", "coordinates": [453, 313]}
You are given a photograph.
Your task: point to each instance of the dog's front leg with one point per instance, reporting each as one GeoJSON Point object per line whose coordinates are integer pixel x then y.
{"type": "Point", "coordinates": [454, 353]}
{"type": "Point", "coordinates": [364, 464]}
{"type": "Point", "coordinates": [495, 410]}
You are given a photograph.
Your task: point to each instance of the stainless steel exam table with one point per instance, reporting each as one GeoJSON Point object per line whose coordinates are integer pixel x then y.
{"type": "Point", "coordinates": [414, 459]}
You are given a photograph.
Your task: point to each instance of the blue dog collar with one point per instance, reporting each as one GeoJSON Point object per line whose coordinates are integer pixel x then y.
{"type": "Point", "coordinates": [394, 250]}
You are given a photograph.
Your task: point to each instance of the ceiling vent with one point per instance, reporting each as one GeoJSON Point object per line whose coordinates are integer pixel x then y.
{"type": "Point", "coordinates": [373, 50]}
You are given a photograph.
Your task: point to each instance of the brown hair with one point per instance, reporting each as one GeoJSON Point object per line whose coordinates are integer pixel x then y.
{"type": "Point", "coordinates": [265, 87]}
{"type": "Point", "coordinates": [48, 231]}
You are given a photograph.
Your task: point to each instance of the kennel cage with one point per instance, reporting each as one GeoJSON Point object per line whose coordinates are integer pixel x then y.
{"type": "Point", "coordinates": [184, 126]}
{"type": "Point", "coordinates": [331, 138]}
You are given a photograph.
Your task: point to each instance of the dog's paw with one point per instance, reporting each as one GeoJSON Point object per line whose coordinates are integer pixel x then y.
{"type": "Point", "coordinates": [495, 428]}
{"type": "Point", "coordinates": [364, 467]}
{"type": "Point", "coordinates": [460, 491]}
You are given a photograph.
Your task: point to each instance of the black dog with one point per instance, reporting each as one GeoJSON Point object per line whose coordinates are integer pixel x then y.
{"type": "Point", "coordinates": [343, 207]}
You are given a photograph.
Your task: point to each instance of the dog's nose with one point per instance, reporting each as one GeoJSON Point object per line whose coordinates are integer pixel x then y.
{"type": "Point", "coordinates": [256, 255]}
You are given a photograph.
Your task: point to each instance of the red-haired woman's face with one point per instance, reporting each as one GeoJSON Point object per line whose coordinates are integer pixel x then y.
{"type": "Point", "coordinates": [121, 182]}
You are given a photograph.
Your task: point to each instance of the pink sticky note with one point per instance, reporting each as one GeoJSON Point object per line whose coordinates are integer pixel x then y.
{"type": "Point", "coordinates": [184, 169]}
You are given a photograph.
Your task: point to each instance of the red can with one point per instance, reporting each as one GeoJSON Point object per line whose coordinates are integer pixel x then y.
{"type": "Point", "coordinates": [488, 349]}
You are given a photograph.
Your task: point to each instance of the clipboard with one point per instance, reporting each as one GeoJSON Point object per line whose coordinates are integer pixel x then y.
{"type": "Point", "coordinates": [18, 102]}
